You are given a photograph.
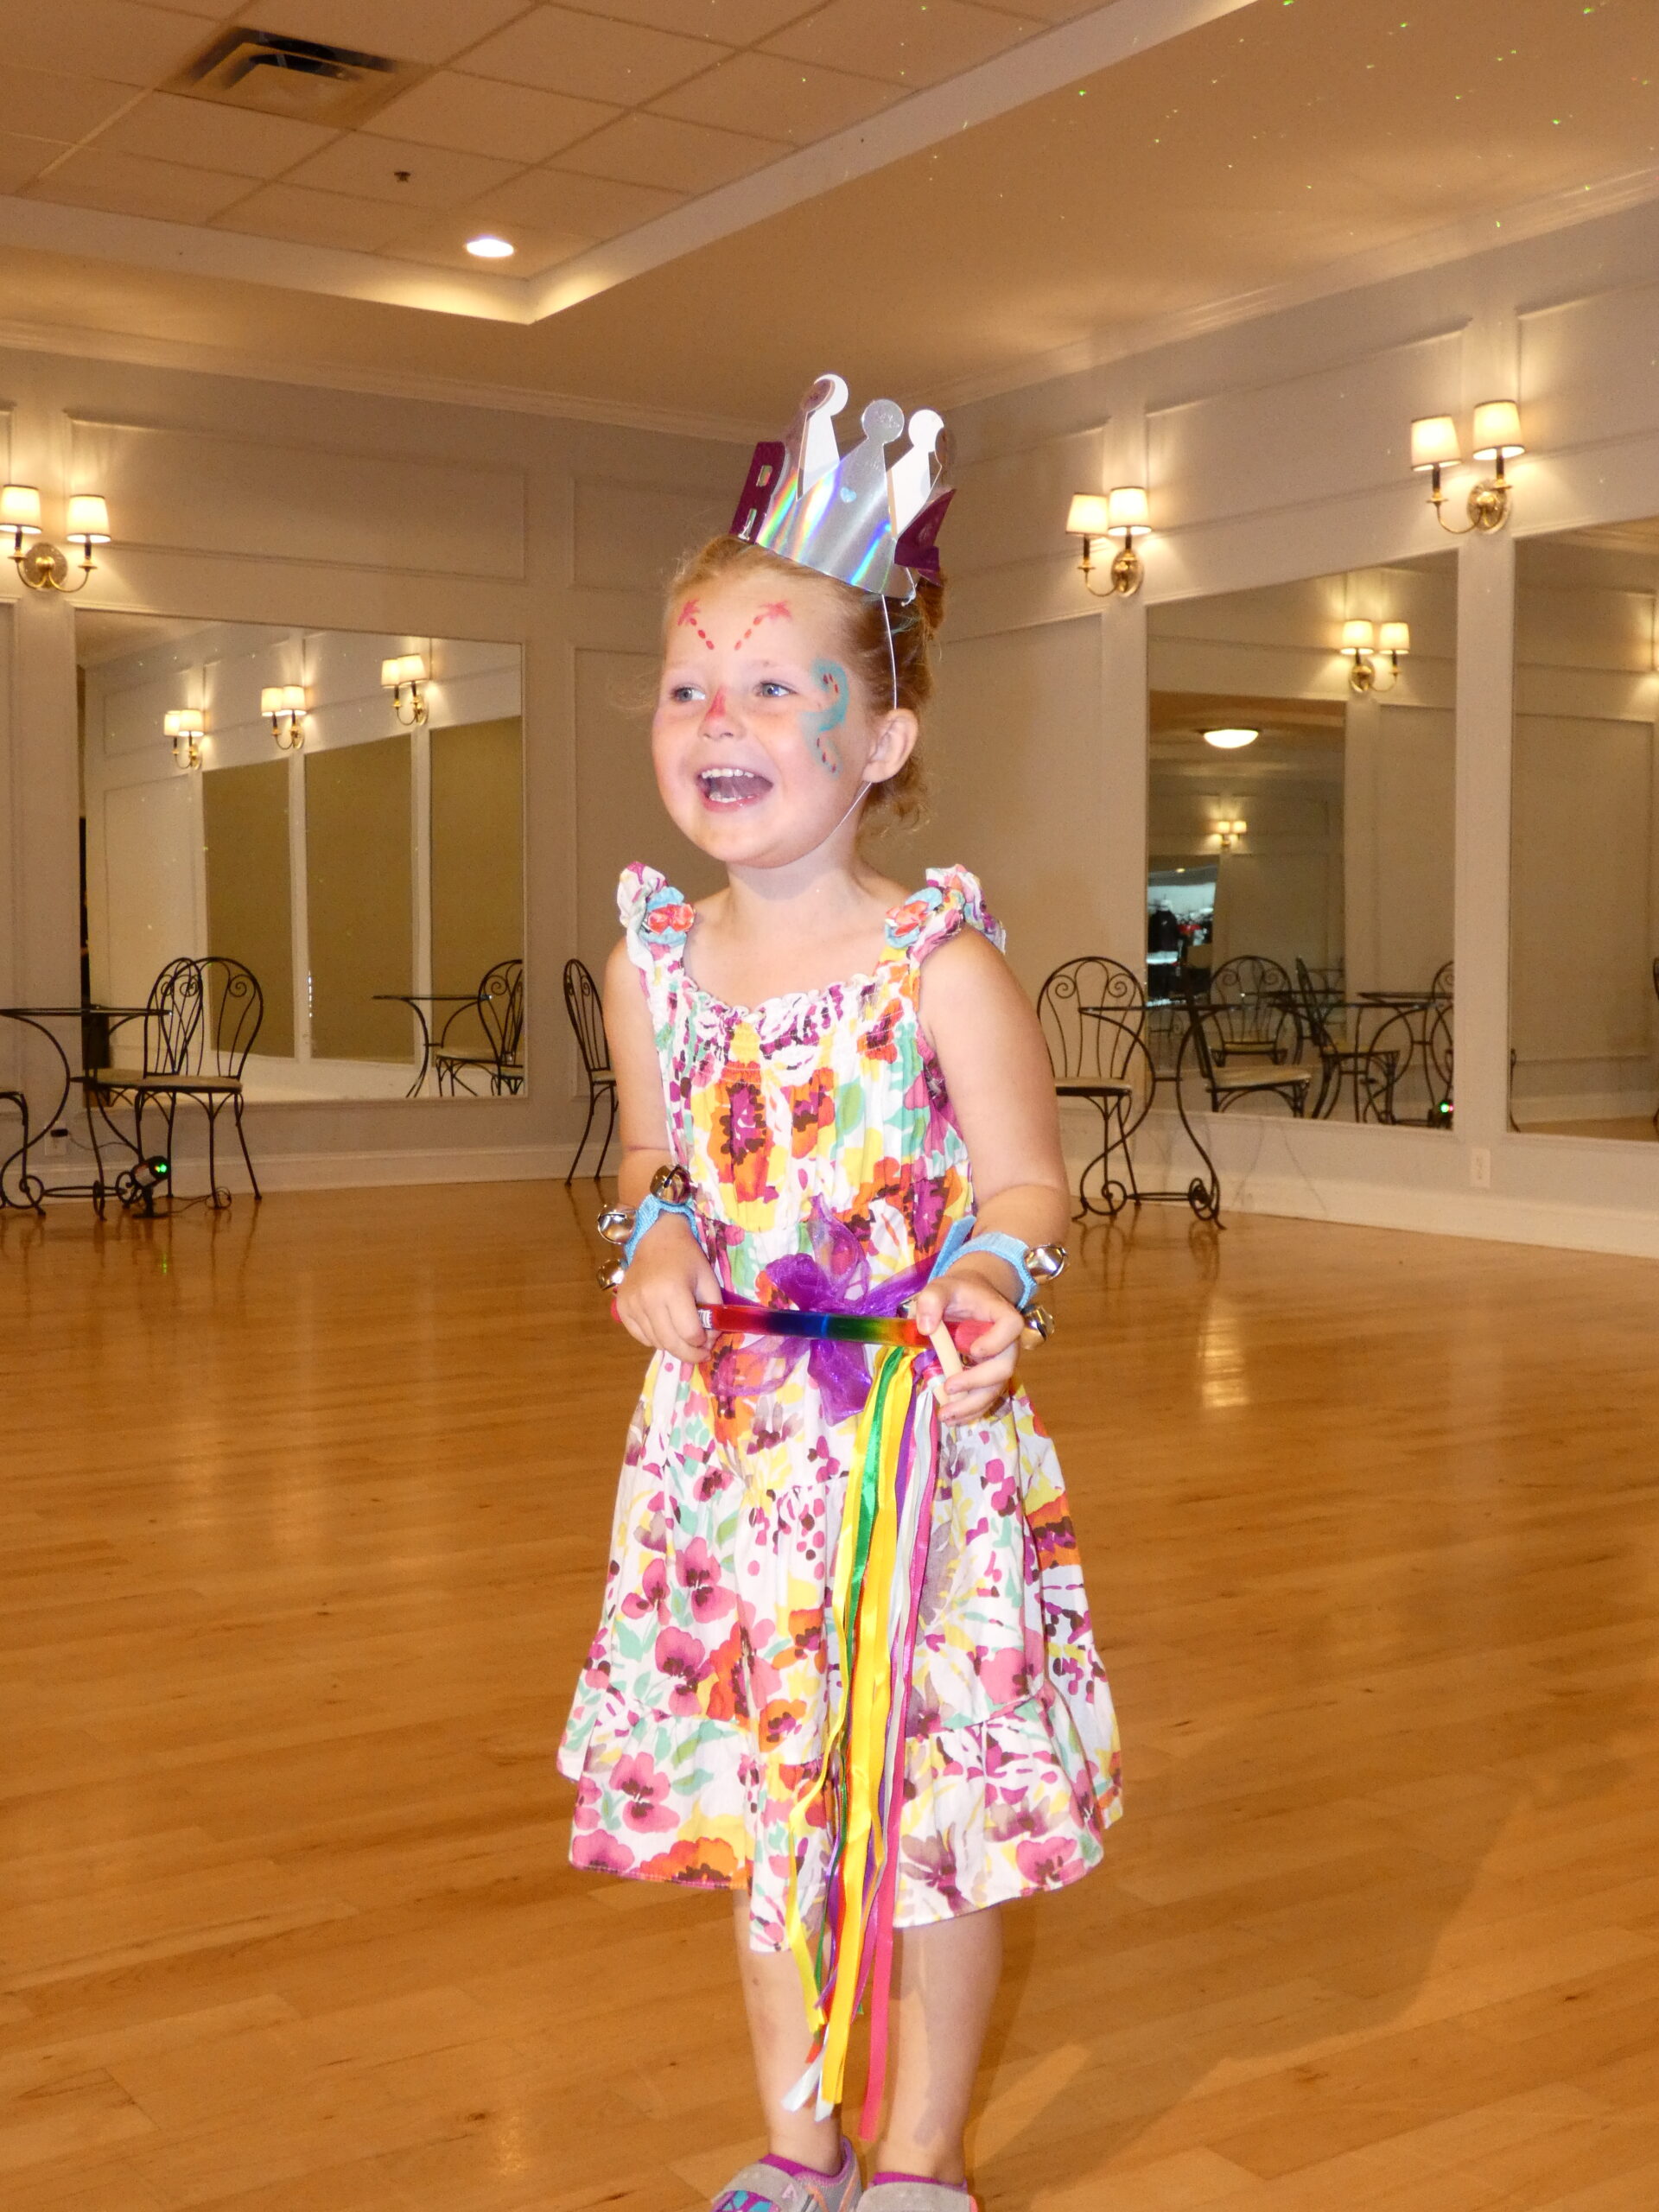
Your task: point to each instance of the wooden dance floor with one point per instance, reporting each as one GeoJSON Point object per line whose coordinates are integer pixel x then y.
{"type": "Point", "coordinates": [303, 1516]}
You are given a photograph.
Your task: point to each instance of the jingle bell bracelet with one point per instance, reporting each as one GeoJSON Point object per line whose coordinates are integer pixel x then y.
{"type": "Point", "coordinates": [670, 1192]}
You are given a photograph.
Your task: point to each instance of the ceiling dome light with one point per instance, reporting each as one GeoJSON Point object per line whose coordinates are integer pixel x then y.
{"type": "Point", "coordinates": [491, 248]}
{"type": "Point", "coordinates": [1229, 740]}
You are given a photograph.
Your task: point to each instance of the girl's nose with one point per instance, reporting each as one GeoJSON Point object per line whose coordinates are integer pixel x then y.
{"type": "Point", "coordinates": [717, 718]}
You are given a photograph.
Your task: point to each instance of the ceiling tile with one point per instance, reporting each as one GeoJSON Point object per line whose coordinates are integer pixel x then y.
{"type": "Point", "coordinates": [65, 108]}
{"type": "Point", "coordinates": [22, 158]}
{"type": "Point", "coordinates": [444, 246]}
{"type": "Point", "coordinates": [910, 42]}
{"type": "Point", "coordinates": [288, 211]}
{"type": "Point", "coordinates": [590, 56]}
{"type": "Point", "coordinates": [795, 99]}
{"type": "Point", "coordinates": [209, 137]}
{"type": "Point", "coordinates": [642, 149]}
{"type": "Point", "coordinates": [126, 184]}
{"type": "Point", "coordinates": [734, 22]}
{"type": "Point", "coordinates": [557, 204]}
{"type": "Point", "coordinates": [365, 167]}
{"type": "Point", "coordinates": [480, 115]}
{"type": "Point", "coordinates": [125, 43]}
{"type": "Point", "coordinates": [402, 30]}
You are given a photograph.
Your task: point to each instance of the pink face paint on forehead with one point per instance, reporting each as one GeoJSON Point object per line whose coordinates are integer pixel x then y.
{"type": "Point", "coordinates": [687, 618]}
{"type": "Point", "coordinates": [776, 610]}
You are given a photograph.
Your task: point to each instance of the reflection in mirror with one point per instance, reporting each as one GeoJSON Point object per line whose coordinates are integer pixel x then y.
{"type": "Point", "coordinates": [1584, 940]}
{"type": "Point", "coordinates": [1300, 832]}
{"type": "Point", "coordinates": [363, 858]}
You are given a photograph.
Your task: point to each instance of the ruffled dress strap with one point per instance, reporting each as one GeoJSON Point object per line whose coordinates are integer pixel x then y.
{"type": "Point", "coordinates": [950, 900]}
{"type": "Point", "coordinates": [656, 921]}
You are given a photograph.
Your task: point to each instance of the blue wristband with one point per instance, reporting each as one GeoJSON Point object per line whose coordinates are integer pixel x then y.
{"type": "Point", "coordinates": [649, 1210]}
{"type": "Point", "coordinates": [1011, 1252]}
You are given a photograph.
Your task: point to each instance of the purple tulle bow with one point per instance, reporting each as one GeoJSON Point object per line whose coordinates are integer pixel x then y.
{"type": "Point", "coordinates": [833, 1277]}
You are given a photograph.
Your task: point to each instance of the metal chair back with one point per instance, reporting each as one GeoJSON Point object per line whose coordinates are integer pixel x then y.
{"type": "Point", "coordinates": [502, 1010]}
{"type": "Point", "coordinates": [587, 1012]}
{"type": "Point", "coordinates": [1094, 1045]}
{"type": "Point", "coordinates": [1441, 990]}
{"type": "Point", "coordinates": [172, 1023]}
{"type": "Point", "coordinates": [237, 1006]}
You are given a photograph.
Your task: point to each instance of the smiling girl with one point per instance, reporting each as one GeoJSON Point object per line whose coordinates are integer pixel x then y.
{"type": "Point", "coordinates": [847, 1075]}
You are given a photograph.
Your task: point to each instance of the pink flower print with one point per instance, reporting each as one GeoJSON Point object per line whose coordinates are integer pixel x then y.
{"type": "Point", "coordinates": [640, 1783]}
{"type": "Point", "coordinates": [1049, 1861]}
{"type": "Point", "coordinates": [652, 1596]}
{"type": "Point", "coordinates": [599, 1853]}
{"type": "Point", "coordinates": [1002, 1484]}
{"type": "Point", "coordinates": [685, 1662]}
{"type": "Point", "coordinates": [1002, 1674]}
{"type": "Point", "coordinates": [699, 1573]}
{"type": "Point", "coordinates": [932, 1861]}
{"type": "Point", "coordinates": [741, 1140]}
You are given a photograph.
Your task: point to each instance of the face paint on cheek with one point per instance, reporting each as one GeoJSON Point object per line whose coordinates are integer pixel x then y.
{"type": "Point", "coordinates": [817, 729]}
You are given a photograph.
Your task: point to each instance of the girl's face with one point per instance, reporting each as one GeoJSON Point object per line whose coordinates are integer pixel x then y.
{"type": "Point", "coordinates": [761, 739]}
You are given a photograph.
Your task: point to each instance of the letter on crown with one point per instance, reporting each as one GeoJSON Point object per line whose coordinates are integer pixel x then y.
{"type": "Point", "coordinates": [849, 515]}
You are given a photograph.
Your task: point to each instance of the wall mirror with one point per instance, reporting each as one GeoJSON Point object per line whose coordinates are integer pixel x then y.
{"type": "Point", "coordinates": [1583, 918]}
{"type": "Point", "coordinates": [1301, 838]}
{"type": "Point", "coordinates": [340, 814]}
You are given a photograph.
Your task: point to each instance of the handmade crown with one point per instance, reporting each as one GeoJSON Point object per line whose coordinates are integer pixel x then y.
{"type": "Point", "coordinates": [849, 515]}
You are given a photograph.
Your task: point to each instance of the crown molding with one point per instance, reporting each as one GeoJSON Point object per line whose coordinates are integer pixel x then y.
{"type": "Point", "coordinates": [193, 359]}
{"type": "Point", "coordinates": [1464, 239]}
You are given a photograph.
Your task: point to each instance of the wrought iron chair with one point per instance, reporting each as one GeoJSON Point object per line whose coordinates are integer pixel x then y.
{"type": "Point", "coordinates": [497, 1010]}
{"type": "Point", "coordinates": [587, 1012]}
{"type": "Point", "coordinates": [30, 1189]}
{"type": "Point", "coordinates": [1372, 1068]}
{"type": "Point", "coordinates": [1256, 1011]}
{"type": "Point", "coordinates": [1093, 1013]}
{"type": "Point", "coordinates": [1441, 990]}
{"type": "Point", "coordinates": [1225, 1085]}
{"type": "Point", "coordinates": [202, 1018]}
{"type": "Point", "coordinates": [1437, 1056]}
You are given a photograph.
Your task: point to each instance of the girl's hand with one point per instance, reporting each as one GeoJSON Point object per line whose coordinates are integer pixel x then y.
{"type": "Point", "coordinates": [965, 1294]}
{"type": "Point", "coordinates": [668, 1279]}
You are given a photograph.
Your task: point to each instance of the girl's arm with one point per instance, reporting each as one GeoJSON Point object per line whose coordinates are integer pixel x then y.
{"type": "Point", "coordinates": [991, 1053]}
{"type": "Point", "coordinates": [668, 1274]}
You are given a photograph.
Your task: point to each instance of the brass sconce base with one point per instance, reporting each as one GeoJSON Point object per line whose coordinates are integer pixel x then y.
{"type": "Point", "coordinates": [1123, 576]}
{"type": "Point", "coordinates": [1488, 507]}
{"type": "Point", "coordinates": [43, 567]}
{"type": "Point", "coordinates": [1364, 676]}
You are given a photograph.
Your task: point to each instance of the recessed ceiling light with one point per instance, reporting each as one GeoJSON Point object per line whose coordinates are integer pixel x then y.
{"type": "Point", "coordinates": [489, 248]}
{"type": "Point", "coordinates": [1229, 739]}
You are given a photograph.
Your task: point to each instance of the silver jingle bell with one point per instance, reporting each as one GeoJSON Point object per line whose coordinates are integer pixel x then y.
{"type": "Point", "coordinates": [1041, 1322]}
{"type": "Point", "coordinates": [1045, 1262]}
{"type": "Point", "coordinates": [609, 1277]}
{"type": "Point", "coordinates": [616, 1225]}
{"type": "Point", "coordinates": [672, 1185]}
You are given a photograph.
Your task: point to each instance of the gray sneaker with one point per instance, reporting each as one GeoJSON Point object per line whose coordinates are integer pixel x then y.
{"type": "Point", "coordinates": [761, 2188]}
{"type": "Point", "coordinates": [917, 2197]}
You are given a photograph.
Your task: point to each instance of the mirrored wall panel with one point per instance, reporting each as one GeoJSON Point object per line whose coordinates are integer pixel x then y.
{"type": "Point", "coordinates": [341, 815]}
{"type": "Point", "coordinates": [1584, 934]}
{"type": "Point", "coordinates": [1300, 832]}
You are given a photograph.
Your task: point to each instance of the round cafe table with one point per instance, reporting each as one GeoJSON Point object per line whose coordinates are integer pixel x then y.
{"type": "Point", "coordinates": [95, 1022]}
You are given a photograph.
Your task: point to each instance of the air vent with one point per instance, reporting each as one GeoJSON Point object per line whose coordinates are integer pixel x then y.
{"type": "Point", "coordinates": [295, 77]}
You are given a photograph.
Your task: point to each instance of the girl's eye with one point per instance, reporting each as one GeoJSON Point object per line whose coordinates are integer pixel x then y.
{"type": "Point", "coordinates": [770, 687]}
{"type": "Point", "coordinates": [681, 694]}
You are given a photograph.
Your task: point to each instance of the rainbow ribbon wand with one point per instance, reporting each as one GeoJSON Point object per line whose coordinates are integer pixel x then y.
{"type": "Point", "coordinates": [819, 1328]}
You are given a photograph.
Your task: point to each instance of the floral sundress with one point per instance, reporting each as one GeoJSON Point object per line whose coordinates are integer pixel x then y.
{"type": "Point", "coordinates": [817, 1132]}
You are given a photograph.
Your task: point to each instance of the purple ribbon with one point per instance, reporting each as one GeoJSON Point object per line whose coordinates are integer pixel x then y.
{"type": "Point", "coordinates": [833, 1277]}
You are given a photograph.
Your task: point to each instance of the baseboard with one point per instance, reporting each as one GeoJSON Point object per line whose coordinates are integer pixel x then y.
{"type": "Point", "coordinates": [360, 1171]}
{"type": "Point", "coordinates": [1503, 1220]}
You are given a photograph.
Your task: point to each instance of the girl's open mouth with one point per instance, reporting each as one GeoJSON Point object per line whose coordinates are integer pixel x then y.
{"type": "Point", "coordinates": [726, 787]}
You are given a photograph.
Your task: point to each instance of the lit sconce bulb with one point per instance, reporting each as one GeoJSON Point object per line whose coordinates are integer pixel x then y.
{"type": "Point", "coordinates": [20, 513]}
{"type": "Point", "coordinates": [405, 678]}
{"type": "Point", "coordinates": [285, 705]}
{"type": "Point", "coordinates": [1496, 439]}
{"type": "Point", "coordinates": [185, 725]}
{"type": "Point", "coordinates": [89, 520]}
{"type": "Point", "coordinates": [1368, 646]}
{"type": "Point", "coordinates": [1123, 515]}
{"type": "Point", "coordinates": [1497, 430]}
{"type": "Point", "coordinates": [42, 566]}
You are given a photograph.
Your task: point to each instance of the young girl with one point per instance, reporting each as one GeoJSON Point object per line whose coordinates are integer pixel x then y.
{"type": "Point", "coordinates": [844, 1072]}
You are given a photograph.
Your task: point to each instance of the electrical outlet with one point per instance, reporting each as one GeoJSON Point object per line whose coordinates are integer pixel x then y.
{"type": "Point", "coordinates": [57, 1144]}
{"type": "Point", "coordinates": [1480, 1167]}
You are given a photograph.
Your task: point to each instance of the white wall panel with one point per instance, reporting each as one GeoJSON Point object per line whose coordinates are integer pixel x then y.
{"type": "Point", "coordinates": [632, 536]}
{"type": "Point", "coordinates": [152, 841]}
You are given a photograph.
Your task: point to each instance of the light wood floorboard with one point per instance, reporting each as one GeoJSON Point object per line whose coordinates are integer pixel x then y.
{"type": "Point", "coordinates": [303, 1516]}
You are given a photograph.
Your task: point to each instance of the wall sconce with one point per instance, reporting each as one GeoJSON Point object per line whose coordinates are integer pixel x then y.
{"type": "Point", "coordinates": [1123, 516]}
{"type": "Point", "coordinates": [1496, 439]}
{"type": "Point", "coordinates": [406, 674]}
{"type": "Point", "coordinates": [1367, 646]}
{"type": "Point", "coordinates": [1230, 740]}
{"type": "Point", "coordinates": [187, 726]}
{"type": "Point", "coordinates": [1228, 833]}
{"type": "Point", "coordinates": [285, 704]}
{"type": "Point", "coordinates": [42, 567]}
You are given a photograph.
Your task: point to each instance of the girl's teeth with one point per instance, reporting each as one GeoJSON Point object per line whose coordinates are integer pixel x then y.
{"type": "Point", "coordinates": [731, 786]}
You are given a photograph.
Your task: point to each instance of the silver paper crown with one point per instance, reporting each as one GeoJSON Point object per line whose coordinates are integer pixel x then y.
{"type": "Point", "coordinates": [849, 515]}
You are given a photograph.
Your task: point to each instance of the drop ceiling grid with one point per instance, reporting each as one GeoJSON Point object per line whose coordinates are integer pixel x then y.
{"type": "Point", "coordinates": [560, 125]}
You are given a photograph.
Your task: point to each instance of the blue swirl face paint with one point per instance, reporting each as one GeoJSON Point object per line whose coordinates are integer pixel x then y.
{"type": "Point", "coordinates": [817, 727]}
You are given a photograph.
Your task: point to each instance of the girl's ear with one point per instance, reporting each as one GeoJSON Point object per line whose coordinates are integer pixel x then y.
{"type": "Point", "coordinates": [896, 733]}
